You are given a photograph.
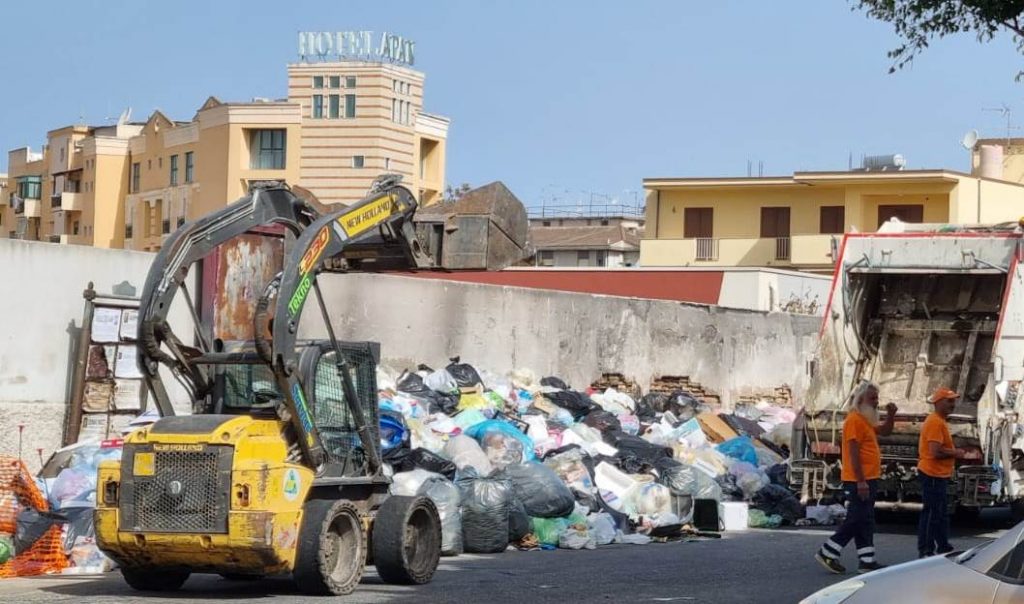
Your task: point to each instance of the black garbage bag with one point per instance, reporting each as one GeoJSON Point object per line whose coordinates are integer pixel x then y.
{"type": "Point", "coordinates": [465, 375]}
{"type": "Point", "coordinates": [519, 524]}
{"type": "Point", "coordinates": [775, 499]}
{"type": "Point", "coordinates": [602, 420]}
{"type": "Point", "coordinates": [32, 524]}
{"type": "Point", "coordinates": [647, 408]}
{"type": "Point", "coordinates": [628, 444]}
{"type": "Point", "coordinates": [541, 492]}
{"type": "Point", "coordinates": [486, 506]}
{"type": "Point", "coordinates": [656, 401]}
{"type": "Point", "coordinates": [554, 382]}
{"type": "Point", "coordinates": [742, 425]}
{"type": "Point", "coordinates": [574, 402]}
{"type": "Point", "coordinates": [777, 474]}
{"type": "Point", "coordinates": [730, 490]}
{"type": "Point", "coordinates": [684, 406]}
{"type": "Point", "coordinates": [405, 460]}
{"type": "Point", "coordinates": [411, 384]}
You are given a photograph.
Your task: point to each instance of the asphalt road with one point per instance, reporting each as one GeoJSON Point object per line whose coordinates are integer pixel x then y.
{"type": "Point", "coordinates": [750, 566]}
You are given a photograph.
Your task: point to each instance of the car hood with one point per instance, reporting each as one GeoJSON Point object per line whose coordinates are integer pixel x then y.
{"type": "Point", "coordinates": [935, 580]}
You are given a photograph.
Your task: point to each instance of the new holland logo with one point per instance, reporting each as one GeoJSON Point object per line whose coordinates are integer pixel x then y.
{"type": "Point", "coordinates": [370, 215]}
{"type": "Point", "coordinates": [314, 251]}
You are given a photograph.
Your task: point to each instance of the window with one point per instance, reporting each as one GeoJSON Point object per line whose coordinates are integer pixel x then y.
{"type": "Point", "coordinates": [267, 149]}
{"type": "Point", "coordinates": [698, 223]}
{"type": "Point", "coordinates": [405, 112]}
{"type": "Point", "coordinates": [387, 163]}
{"type": "Point", "coordinates": [908, 213]}
{"type": "Point", "coordinates": [357, 161]}
{"type": "Point", "coordinates": [318, 81]}
{"type": "Point", "coordinates": [602, 257]}
{"type": "Point", "coordinates": [149, 164]}
{"type": "Point", "coordinates": [136, 170]}
{"type": "Point", "coordinates": [318, 106]}
{"type": "Point", "coordinates": [174, 170]}
{"type": "Point", "coordinates": [74, 228]}
{"type": "Point", "coordinates": [350, 105]}
{"type": "Point", "coordinates": [832, 220]}
{"type": "Point", "coordinates": [394, 110]}
{"type": "Point", "coordinates": [335, 81]}
{"type": "Point", "coordinates": [30, 187]}
{"type": "Point", "coordinates": [394, 85]}
{"type": "Point", "coordinates": [181, 220]}
{"type": "Point", "coordinates": [160, 162]}
{"type": "Point", "coordinates": [1010, 568]}
{"type": "Point", "coordinates": [190, 166]}
{"type": "Point", "coordinates": [165, 226]}
{"type": "Point", "coordinates": [583, 258]}
{"type": "Point", "coordinates": [334, 103]}
{"type": "Point", "coordinates": [350, 82]}
{"type": "Point", "coordinates": [547, 258]}
{"type": "Point", "coordinates": [546, 223]}
{"type": "Point", "coordinates": [774, 223]}
{"type": "Point", "coordinates": [127, 231]}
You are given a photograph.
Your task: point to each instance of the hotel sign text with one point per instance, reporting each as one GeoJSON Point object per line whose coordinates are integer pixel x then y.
{"type": "Point", "coordinates": [357, 45]}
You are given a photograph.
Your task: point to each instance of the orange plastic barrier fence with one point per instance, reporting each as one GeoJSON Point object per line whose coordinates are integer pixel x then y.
{"type": "Point", "coordinates": [17, 491]}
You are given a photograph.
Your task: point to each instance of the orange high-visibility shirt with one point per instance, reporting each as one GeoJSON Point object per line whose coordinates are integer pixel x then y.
{"type": "Point", "coordinates": [858, 428]}
{"type": "Point", "coordinates": [935, 429]}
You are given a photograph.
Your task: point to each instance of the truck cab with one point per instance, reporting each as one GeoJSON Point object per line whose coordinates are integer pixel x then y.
{"type": "Point", "coordinates": [913, 310]}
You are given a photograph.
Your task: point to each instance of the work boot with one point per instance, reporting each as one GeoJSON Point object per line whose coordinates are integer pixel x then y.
{"type": "Point", "coordinates": [831, 564]}
{"type": "Point", "coordinates": [945, 549]}
{"type": "Point", "coordinates": [921, 555]}
{"type": "Point", "coordinates": [866, 567]}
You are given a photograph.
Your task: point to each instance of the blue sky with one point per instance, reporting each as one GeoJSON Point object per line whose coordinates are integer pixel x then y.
{"type": "Point", "coordinates": [557, 99]}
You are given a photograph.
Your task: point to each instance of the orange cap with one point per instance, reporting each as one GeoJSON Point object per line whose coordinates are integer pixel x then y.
{"type": "Point", "coordinates": [942, 394]}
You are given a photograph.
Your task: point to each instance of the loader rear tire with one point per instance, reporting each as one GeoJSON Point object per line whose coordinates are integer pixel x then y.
{"type": "Point", "coordinates": [331, 553]}
{"type": "Point", "coordinates": [407, 540]}
{"type": "Point", "coordinates": [155, 579]}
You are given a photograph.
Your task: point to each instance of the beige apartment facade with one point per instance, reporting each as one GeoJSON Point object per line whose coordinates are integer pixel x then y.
{"type": "Point", "coordinates": [794, 221]}
{"type": "Point", "coordinates": [129, 185]}
{"type": "Point", "coordinates": [360, 120]}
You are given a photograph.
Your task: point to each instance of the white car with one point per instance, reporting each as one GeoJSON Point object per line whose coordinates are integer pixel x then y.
{"type": "Point", "coordinates": [991, 573]}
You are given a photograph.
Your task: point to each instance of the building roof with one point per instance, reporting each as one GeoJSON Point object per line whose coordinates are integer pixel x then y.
{"type": "Point", "coordinates": [584, 237]}
{"type": "Point", "coordinates": [799, 179]}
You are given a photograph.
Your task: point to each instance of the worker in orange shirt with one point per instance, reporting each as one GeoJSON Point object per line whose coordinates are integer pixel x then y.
{"type": "Point", "coordinates": [937, 456]}
{"type": "Point", "coordinates": [862, 467]}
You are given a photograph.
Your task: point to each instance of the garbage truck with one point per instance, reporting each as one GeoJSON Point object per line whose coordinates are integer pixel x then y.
{"type": "Point", "coordinates": [913, 308]}
{"type": "Point", "coordinates": [277, 469]}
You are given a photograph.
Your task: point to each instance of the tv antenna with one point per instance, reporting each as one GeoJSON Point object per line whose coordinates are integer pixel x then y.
{"type": "Point", "coordinates": [1004, 110]}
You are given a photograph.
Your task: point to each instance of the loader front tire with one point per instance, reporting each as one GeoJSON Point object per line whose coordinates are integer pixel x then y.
{"type": "Point", "coordinates": [153, 579]}
{"type": "Point", "coordinates": [407, 540]}
{"type": "Point", "coordinates": [331, 553]}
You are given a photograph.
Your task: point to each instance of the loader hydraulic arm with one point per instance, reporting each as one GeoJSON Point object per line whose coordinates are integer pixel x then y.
{"type": "Point", "coordinates": [266, 204]}
{"type": "Point", "coordinates": [381, 222]}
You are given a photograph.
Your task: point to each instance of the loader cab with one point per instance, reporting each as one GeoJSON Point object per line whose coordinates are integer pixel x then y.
{"type": "Point", "coordinates": [250, 389]}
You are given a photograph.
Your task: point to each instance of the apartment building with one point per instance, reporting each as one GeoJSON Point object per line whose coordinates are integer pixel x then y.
{"type": "Point", "coordinates": [130, 184]}
{"type": "Point", "coordinates": [795, 221]}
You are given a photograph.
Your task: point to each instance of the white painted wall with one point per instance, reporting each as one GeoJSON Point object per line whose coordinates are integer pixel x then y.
{"type": "Point", "coordinates": [42, 306]}
{"type": "Point", "coordinates": [769, 290]}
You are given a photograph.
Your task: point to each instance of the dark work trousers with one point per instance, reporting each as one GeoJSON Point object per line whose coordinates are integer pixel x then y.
{"type": "Point", "coordinates": [858, 526]}
{"type": "Point", "coordinates": [933, 525]}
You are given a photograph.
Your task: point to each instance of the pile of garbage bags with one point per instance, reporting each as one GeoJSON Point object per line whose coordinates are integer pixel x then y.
{"type": "Point", "coordinates": [536, 464]}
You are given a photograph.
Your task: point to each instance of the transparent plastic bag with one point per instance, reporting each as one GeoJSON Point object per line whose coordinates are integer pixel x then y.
{"type": "Point", "coordinates": [466, 453]}
{"type": "Point", "coordinates": [576, 537]}
{"type": "Point", "coordinates": [445, 496]}
{"type": "Point", "coordinates": [601, 527]}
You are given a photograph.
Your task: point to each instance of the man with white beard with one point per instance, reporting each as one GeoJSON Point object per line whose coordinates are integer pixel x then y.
{"type": "Point", "coordinates": [861, 469]}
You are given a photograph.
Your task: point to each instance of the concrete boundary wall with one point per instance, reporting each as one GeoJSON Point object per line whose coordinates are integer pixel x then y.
{"type": "Point", "coordinates": [574, 336]}
{"type": "Point", "coordinates": [41, 308]}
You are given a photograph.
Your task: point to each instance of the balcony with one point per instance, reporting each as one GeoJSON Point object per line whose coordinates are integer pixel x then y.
{"type": "Point", "coordinates": [799, 251]}
{"type": "Point", "coordinates": [29, 208]}
{"type": "Point", "coordinates": [71, 201]}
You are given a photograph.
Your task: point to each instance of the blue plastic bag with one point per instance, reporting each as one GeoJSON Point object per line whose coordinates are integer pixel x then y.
{"type": "Point", "coordinates": [481, 430]}
{"type": "Point", "coordinates": [741, 448]}
{"type": "Point", "coordinates": [392, 430]}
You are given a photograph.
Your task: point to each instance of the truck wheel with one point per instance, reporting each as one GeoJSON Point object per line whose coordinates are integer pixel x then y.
{"type": "Point", "coordinates": [154, 579]}
{"type": "Point", "coordinates": [407, 540]}
{"type": "Point", "coordinates": [330, 556]}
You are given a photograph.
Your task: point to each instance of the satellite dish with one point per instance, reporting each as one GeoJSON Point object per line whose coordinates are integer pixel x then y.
{"type": "Point", "coordinates": [970, 139]}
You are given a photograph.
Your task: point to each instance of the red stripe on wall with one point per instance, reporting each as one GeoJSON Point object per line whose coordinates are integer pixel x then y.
{"type": "Point", "coordinates": [700, 287]}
